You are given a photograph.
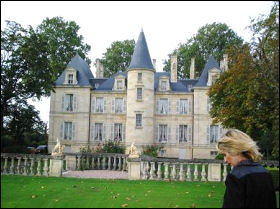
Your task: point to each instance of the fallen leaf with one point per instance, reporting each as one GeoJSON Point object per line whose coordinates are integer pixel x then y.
{"type": "Point", "coordinates": [193, 205]}
{"type": "Point", "coordinates": [56, 200]}
{"type": "Point", "coordinates": [124, 205]}
{"type": "Point", "coordinates": [33, 196]}
{"type": "Point", "coordinates": [128, 198]}
{"type": "Point", "coordinates": [187, 192]}
{"type": "Point", "coordinates": [42, 187]}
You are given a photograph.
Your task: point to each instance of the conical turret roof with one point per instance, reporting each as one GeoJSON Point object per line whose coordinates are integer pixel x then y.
{"type": "Point", "coordinates": [141, 56]}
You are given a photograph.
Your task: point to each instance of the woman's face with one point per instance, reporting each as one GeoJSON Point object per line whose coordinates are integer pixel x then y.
{"type": "Point", "coordinates": [232, 159]}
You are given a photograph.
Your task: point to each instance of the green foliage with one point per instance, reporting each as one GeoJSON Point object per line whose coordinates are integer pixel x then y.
{"type": "Point", "coordinates": [275, 176]}
{"type": "Point", "coordinates": [220, 156]}
{"type": "Point", "coordinates": [246, 97]}
{"type": "Point", "coordinates": [117, 57]}
{"type": "Point", "coordinates": [152, 150]}
{"type": "Point", "coordinates": [31, 61]}
{"type": "Point", "coordinates": [112, 147]}
{"type": "Point", "coordinates": [211, 39]}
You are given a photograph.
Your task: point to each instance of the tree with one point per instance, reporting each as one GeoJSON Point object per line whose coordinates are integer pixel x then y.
{"type": "Point", "coordinates": [247, 95]}
{"type": "Point", "coordinates": [32, 59]}
{"type": "Point", "coordinates": [211, 39]}
{"type": "Point", "coordinates": [117, 57]}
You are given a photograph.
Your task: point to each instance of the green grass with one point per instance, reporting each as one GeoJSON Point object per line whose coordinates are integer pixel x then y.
{"type": "Point", "coordinates": [52, 192]}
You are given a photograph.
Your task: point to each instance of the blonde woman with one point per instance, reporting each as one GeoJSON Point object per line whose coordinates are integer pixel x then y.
{"type": "Point", "coordinates": [249, 185]}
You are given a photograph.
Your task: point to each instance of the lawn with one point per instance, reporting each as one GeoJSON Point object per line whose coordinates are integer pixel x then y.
{"type": "Point", "coordinates": [52, 192]}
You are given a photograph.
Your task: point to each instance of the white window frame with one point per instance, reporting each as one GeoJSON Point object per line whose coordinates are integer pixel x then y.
{"type": "Point", "coordinates": [119, 85]}
{"type": "Point", "coordinates": [163, 85]}
{"type": "Point", "coordinates": [69, 103]}
{"type": "Point", "coordinates": [99, 105]}
{"type": "Point", "coordinates": [139, 120]}
{"type": "Point", "coordinates": [163, 107]}
{"type": "Point", "coordinates": [118, 132]}
{"type": "Point", "coordinates": [68, 129]}
{"type": "Point", "coordinates": [119, 105]}
{"type": "Point", "coordinates": [163, 133]}
{"type": "Point", "coordinates": [70, 78]}
{"type": "Point", "coordinates": [184, 106]}
{"type": "Point", "coordinates": [140, 77]}
{"type": "Point", "coordinates": [139, 93]}
{"type": "Point", "coordinates": [98, 132]}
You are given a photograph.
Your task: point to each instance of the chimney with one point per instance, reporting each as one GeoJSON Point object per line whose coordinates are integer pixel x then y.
{"type": "Point", "coordinates": [174, 68]}
{"type": "Point", "coordinates": [192, 70]}
{"type": "Point", "coordinates": [154, 64]}
{"type": "Point", "coordinates": [225, 63]}
{"type": "Point", "coordinates": [99, 69]}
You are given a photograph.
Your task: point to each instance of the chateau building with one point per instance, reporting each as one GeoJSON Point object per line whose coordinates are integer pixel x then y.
{"type": "Point", "coordinates": [140, 105]}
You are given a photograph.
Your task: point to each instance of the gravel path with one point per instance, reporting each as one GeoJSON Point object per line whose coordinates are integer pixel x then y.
{"type": "Point", "coordinates": [97, 174]}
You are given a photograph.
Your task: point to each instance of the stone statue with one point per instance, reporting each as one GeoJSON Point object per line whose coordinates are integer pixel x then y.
{"type": "Point", "coordinates": [133, 152]}
{"type": "Point", "coordinates": [58, 148]}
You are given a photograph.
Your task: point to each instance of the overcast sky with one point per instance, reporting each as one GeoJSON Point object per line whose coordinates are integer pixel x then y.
{"type": "Point", "coordinates": [165, 24]}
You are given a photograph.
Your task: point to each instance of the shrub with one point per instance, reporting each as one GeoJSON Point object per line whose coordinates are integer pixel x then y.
{"type": "Point", "coordinates": [152, 150]}
{"type": "Point", "coordinates": [275, 176]}
{"type": "Point", "coordinates": [113, 147]}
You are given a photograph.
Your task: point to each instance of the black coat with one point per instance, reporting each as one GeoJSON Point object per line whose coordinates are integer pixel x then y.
{"type": "Point", "coordinates": [249, 185]}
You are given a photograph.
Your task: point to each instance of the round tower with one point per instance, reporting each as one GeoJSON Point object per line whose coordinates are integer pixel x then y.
{"type": "Point", "coordinates": [140, 96]}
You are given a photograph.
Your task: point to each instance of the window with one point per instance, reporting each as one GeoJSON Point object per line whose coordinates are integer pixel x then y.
{"type": "Point", "coordinates": [162, 133]}
{"type": "Point", "coordinates": [213, 153]}
{"type": "Point", "coordinates": [139, 93]}
{"type": "Point", "coordinates": [119, 105]}
{"type": "Point", "coordinates": [183, 133]}
{"type": "Point", "coordinates": [214, 134]}
{"type": "Point", "coordinates": [138, 120]}
{"type": "Point", "coordinates": [163, 85]}
{"type": "Point", "coordinates": [139, 76]}
{"type": "Point", "coordinates": [189, 87]}
{"type": "Point", "coordinates": [214, 78]}
{"type": "Point", "coordinates": [69, 102]}
{"type": "Point", "coordinates": [118, 132]}
{"type": "Point", "coordinates": [184, 106]}
{"type": "Point", "coordinates": [96, 85]}
{"type": "Point", "coordinates": [99, 104]}
{"type": "Point", "coordinates": [98, 132]}
{"type": "Point", "coordinates": [67, 131]}
{"type": "Point", "coordinates": [163, 106]}
{"type": "Point", "coordinates": [119, 85]}
{"type": "Point", "coordinates": [70, 78]}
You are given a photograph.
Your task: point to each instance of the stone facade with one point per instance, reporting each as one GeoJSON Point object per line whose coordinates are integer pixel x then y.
{"type": "Point", "coordinates": [139, 106]}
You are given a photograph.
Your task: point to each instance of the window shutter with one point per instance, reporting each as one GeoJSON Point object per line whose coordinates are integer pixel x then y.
{"type": "Point", "coordinates": [169, 106]}
{"type": "Point", "coordinates": [92, 131]}
{"type": "Point", "coordinates": [178, 106]}
{"type": "Point", "coordinates": [123, 134]}
{"type": "Point", "coordinates": [208, 134]}
{"type": "Point", "coordinates": [157, 132]}
{"type": "Point", "coordinates": [112, 132]}
{"type": "Point", "coordinates": [104, 132]}
{"type": "Point", "coordinates": [73, 130]}
{"type": "Point", "coordinates": [189, 133]}
{"type": "Point", "coordinates": [113, 105]}
{"type": "Point", "coordinates": [157, 107]}
{"type": "Point", "coordinates": [190, 107]}
{"type": "Point", "coordinates": [75, 102]}
{"type": "Point", "coordinates": [177, 133]}
{"type": "Point", "coordinates": [62, 104]}
{"type": "Point", "coordinates": [61, 130]}
{"type": "Point", "coordinates": [124, 105]}
{"type": "Point", "coordinates": [168, 133]}
{"type": "Point", "coordinates": [104, 104]}
{"type": "Point", "coordinates": [220, 131]}
{"type": "Point", "coordinates": [93, 104]}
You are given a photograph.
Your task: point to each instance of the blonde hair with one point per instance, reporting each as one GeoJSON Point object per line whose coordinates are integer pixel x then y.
{"type": "Point", "coordinates": [237, 142]}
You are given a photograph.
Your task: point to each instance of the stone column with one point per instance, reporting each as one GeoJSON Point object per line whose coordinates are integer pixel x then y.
{"type": "Point", "coordinates": [134, 169]}
{"type": "Point", "coordinates": [56, 165]}
{"type": "Point", "coordinates": [214, 172]}
{"type": "Point", "coordinates": [71, 163]}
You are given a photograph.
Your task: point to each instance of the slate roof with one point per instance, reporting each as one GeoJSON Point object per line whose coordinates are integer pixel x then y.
{"type": "Point", "coordinates": [141, 56]}
{"type": "Point", "coordinates": [211, 63]}
{"type": "Point", "coordinates": [84, 74]}
{"type": "Point", "coordinates": [180, 86]}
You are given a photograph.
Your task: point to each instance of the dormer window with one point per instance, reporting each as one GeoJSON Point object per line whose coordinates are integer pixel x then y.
{"type": "Point", "coordinates": [70, 78]}
{"type": "Point", "coordinates": [163, 85]}
{"type": "Point", "coordinates": [119, 85]}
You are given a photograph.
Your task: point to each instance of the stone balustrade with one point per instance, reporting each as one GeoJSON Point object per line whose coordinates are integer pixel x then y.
{"type": "Point", "coordinates": [186, 170]}
{"type": "Point", "coordinates": [96, 161]}
{"type": "Point", "coordinates": [25, 164]}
